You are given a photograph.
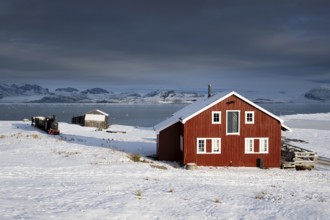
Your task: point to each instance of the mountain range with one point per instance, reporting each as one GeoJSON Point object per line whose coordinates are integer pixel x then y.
{"type": "Point", "coordinates": [321, 93]}
{"type": "Point", "coordinates": [35, 93]}
{"type": "Point", "coordinates": [38, 94]}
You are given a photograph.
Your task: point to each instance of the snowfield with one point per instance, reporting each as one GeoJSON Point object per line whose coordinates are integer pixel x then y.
{"type": "Point", "coordinates": [312, 129]}
{"type": "Point", "coordinates": [88, 174]}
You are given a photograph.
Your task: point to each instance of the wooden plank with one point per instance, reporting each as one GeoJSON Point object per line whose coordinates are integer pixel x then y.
{"type": "Point", "coordinates": [115, 132]}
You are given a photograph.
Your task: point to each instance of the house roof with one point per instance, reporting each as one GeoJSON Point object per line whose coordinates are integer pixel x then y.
{"type": "Point", "coordinates": [194, 109]}
{"type": "Point", "coordinates": [93, 117]}
{"type": "Point", "coordinates": [99, 111]}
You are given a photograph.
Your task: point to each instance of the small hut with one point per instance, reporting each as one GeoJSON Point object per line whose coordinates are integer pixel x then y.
{"type": "Point", "coordinates": [95, 118]}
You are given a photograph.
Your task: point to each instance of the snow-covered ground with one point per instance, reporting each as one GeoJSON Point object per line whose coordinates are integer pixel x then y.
{"type": "Point", "coordinates": [312, 129]}
{"type": "Point", "coordinates": [88, 174]}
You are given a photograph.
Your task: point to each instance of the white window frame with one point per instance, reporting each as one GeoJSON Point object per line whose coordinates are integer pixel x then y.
{"type": "Point", "coordinates": [204, 143]}
{"type": "Point", "coordinates": [238, 125]}
{"type": "Point", "coordinates": [263, 145]}
{"type": "Point", "coordinates": [249, 145]}
{"type": "Point", "coordinates": [246, 117]}
{"type": "Point", "coordinates": [213, 113]}
{"type": "Point", "coordinates": [262, 149]}
{"type": "Point", "coordinates": [215, 144]}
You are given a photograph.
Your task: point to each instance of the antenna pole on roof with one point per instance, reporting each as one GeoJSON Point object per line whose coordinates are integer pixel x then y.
{"type": "Point", "coordinates": [209, 91]}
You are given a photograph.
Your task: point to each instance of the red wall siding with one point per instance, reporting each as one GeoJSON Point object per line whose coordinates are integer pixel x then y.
{"type": "Point", "coordinates": [169, 143]}
{"type": "Point", "coordinates": [232, 146]}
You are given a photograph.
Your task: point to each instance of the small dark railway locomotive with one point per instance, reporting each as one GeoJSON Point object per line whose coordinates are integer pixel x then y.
{"type": "Point", "coordinates": [48, 124]}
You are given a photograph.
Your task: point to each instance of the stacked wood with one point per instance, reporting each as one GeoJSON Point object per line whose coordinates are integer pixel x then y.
{"type": "Point", "coordinates": [297, 157]}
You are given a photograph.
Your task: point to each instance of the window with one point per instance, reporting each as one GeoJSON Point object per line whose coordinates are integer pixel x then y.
{"type": "Point", "coordinates": [249, 145]}
{"type": "Point", "coordinates": [233, 122]}
{"type": "Point", "coordinates": [249, 117]}
{"type": "Point", "coordinates": [216, 145]}
{"type": "Point", "coordinates": [201, 148]}
{"type": "Point", "coordinates": [263, 145]}
{"type": "Point", "coordinates": [216, 117]}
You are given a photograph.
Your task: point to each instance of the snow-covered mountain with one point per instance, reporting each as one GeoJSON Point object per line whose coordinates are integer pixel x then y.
{"type": "Point", "coordinates": [34, 93]}
{"type": "Point", "coordinates": [12, 90]}
{"type": "Point", "coordinates": [68, 89]}
{"type": "Point", "coordinates": [171, 96]}
{"type": "Point", "coordinates": [321, 93]}
{"type": "Point", "coordinates": [95, 91]}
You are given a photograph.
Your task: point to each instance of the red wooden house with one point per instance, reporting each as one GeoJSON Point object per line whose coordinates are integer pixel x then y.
{"type": "Point", "coordinates": [222, 130]}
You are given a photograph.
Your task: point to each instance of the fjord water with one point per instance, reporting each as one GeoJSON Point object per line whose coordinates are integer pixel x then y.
{"type": "Point", "coordinates": [145, 115]}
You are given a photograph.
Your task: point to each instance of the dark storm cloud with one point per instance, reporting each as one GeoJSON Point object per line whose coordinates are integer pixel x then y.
{"type": "Point", "coordinates": [164, 42]}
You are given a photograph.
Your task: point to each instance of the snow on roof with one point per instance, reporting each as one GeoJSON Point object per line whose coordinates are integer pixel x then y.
{"type": "Point", "coordinates": [99, 111]}
{"type": "Point", "coordinates": [93, 117]}
{"type": "Point", "coordinates": [194, 109]}
{"type": "Point", "coordinates": [40, 117]}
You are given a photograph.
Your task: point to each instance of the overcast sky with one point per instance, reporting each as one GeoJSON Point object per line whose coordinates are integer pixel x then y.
{"type": "Point", "coordinates": [254, 45]}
